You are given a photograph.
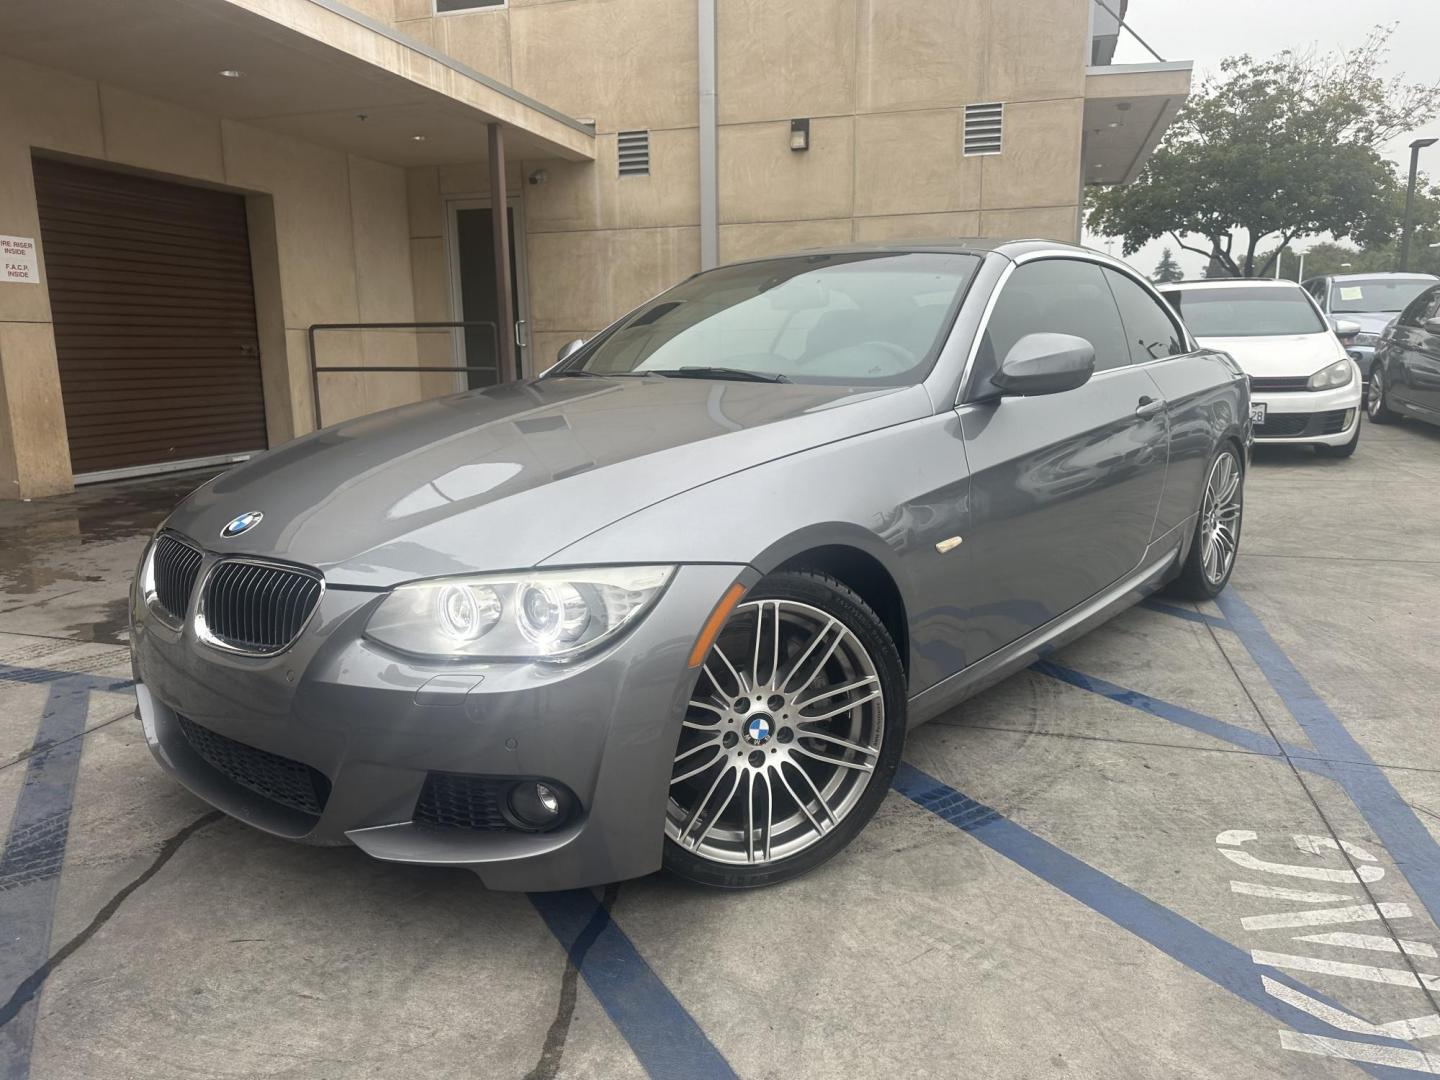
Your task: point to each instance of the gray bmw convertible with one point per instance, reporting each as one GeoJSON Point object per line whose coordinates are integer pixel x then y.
{"type": "Point", "coordinates": [676, 601]}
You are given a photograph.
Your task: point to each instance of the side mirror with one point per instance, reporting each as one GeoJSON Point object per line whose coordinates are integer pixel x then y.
{"type": "Point", "coordinates": [1432, 326]}
{"type": "Point", "coordinates": [1045, 364]}
{"type": "Point", "coordinates": [570, 348]}
{"type": "Point", "coordinates": [1345, 328]}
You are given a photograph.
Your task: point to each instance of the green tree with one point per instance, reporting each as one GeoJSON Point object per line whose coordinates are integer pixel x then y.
{"type": "Point", "coordinates": [1333, 258]}
{"type": "Point", "coordinates": [1273, 149]}
{"type": "Point", "coordinates": [1167, 269]}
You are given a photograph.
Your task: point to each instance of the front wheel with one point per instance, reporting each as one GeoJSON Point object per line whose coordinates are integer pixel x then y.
{"type": "Point", "coordinates": [1216, 541]}
{"type": "Point", "coordinates": [792, 735]}
{"type": "Point", "coordinates": [1376, 406]}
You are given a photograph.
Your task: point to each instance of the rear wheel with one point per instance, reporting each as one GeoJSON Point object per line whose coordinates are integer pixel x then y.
{"type": "Point", "coordinates": [1376, 405]}
{"type": "Point", "coordinates": [1217, 531]}
{"type": "Point", "coordinates": [791, 738]}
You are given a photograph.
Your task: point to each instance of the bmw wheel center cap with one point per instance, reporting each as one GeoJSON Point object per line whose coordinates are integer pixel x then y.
{"type": "Point", "coordinates": [758, 730]}
{"type": "Point", "coordinates": [242, 524]}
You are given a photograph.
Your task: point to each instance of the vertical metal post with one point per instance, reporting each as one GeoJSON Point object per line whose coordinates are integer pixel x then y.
{"type": "Point", "coordinates": [1415, 148]}
{"type": "Point", "coordinates": [504, 294]}
{"type": "Point", "coordinates": [709, 195]}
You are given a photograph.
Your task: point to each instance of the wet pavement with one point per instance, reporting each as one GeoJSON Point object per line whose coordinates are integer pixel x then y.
{"type": "Point", "coordinates": [1201, 842]}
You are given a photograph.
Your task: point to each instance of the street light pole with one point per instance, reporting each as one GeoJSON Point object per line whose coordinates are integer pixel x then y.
{"type": "Point", "coordinates": [1415, 148]}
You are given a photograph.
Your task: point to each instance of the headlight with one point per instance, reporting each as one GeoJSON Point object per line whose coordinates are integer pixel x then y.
{"type": "Point", "coordinates": [1337, 374]}
{"type": "Point", "coordinates": [552, 615]}
{"type": "Point", "coordinates": [1366, 339]}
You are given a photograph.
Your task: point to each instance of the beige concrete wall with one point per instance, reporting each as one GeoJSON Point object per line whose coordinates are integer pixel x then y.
{"type": "Point", "coordinates": [884, 83]}
{"type": "Point", "coordinates": [329, 241]}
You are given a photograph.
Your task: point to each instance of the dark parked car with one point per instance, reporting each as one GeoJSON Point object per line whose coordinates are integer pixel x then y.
{"type": "Point", "coordinates": [1405, 378]}
{"type": "Point", "coordinates": [679, 599]}
{"type": "Point", "coordinates": [1369, 302]}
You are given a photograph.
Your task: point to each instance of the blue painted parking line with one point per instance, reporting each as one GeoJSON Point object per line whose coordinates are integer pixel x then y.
{"type": "Point", "coordinates": [1226, 965]}
{"type": "Point", "coordinates": [32, 858]}
{"type": "Point", "coordinates": [1408, 841]}
{"type": "Point", "coordinates": [1177, 714]}
{"type": "Point", "coordinates": [105, 683]}
{"type": "Point", "coordinates": [1189, 614]}
{"type": "Point", "coordinates": [665, 1038]}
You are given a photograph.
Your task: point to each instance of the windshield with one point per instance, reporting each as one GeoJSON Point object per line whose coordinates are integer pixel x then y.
{"type": "Point", "coordinates": [1375, 294]}
{"type": "Point", "coordinates": [871, 318]}
{"type": "Point", "coordinates": [1246, 311]}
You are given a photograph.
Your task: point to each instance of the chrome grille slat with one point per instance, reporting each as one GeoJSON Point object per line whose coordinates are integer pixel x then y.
{"type": "Point", "coordinates": [175, 567]}
{"type": "Point", "coordinates": [257, 607]}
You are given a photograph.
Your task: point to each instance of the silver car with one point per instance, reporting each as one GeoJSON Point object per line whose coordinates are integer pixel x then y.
{"type": "Point", "coordinates": [678, 600]}
{"type": "Point", "coordinates": [1368, 303]}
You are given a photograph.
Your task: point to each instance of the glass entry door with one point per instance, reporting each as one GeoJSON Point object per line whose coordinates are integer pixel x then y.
{"type": "Point", "coordinates": [472, 276]}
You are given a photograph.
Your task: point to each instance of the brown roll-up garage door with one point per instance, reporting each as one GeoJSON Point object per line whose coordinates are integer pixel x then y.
{"type": "Point", "coordinates": [154, 311]}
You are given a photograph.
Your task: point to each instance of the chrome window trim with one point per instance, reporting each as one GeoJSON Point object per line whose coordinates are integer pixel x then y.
{"type": "Point", "coordinates": [206, 636]}
{"type": "Point", "coordinates": [1074, 255]}
{"type": "Point", "coordinates": [148, 595]}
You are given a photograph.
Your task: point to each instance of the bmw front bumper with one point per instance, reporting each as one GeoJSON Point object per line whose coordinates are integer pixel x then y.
{"type": "Point", "coordinates": [369, 726]}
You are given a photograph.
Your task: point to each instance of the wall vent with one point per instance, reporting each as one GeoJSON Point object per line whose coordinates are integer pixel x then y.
{"type": "Point", "coordinates": [984, 128]}
{"type": "Point", "coordinates": [634, 147]}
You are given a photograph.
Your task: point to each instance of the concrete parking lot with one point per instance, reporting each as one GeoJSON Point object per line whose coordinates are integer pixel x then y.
{"type": "Point", "coordinates": [1202, 842]}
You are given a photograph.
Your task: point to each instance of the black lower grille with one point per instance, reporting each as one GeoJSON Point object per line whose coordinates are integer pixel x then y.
{"type": "Point", "coordinates": [1281, 425]}
{"type": "Point", "coordinates": [457, 801]}
{"type": "Point", "coordinates": [174, 566]}
{"type": "Point", "coordinates": [259, 607]}
{"type": "Point", "coordinates": [1302, 425]}
{"type": "Point", "coordinates": [279, 779]}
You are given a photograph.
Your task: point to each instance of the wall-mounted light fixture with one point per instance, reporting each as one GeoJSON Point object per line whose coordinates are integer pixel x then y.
{"type": "Point", "coordinates": [800, 134]}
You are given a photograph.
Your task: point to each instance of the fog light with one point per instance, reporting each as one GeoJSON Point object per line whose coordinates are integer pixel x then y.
{"type": "Point", "coordinates": [536, 805]}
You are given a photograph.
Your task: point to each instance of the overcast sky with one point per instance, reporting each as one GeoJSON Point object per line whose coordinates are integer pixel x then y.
{"type": "Point", "coordinates": [1207, 31]}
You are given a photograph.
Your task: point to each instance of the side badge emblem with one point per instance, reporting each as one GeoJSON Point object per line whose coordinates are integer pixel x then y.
{"type": "Point", "coordinates": [242, 524]}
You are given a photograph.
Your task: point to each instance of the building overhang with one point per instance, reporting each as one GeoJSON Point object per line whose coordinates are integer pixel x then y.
{"type": "Point", "coordinates": [1127, 109]}
{"type": "Point", "coordinates": [314, 69]}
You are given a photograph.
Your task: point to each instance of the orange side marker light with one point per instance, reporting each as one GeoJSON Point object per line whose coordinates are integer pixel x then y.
{"type": "Point", "coordinates": [711, 630]}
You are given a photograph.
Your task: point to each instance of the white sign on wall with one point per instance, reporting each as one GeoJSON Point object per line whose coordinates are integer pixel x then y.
{"type": "Point", "coordinates": [17, 259]}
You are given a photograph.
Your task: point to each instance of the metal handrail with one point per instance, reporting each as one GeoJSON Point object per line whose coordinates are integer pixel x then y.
{"type": "Point", "coordinates": [316, 369]}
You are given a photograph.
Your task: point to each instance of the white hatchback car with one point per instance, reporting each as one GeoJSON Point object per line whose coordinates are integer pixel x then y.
{"type": "Point", "coordinates": [1304, 387]}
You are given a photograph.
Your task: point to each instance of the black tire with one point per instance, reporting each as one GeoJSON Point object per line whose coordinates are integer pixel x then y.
{"type": "Point", "coordinates": [1376, 407]}
{"type": "Point", "coordinates": [799, 593]}
{"type": "Point", "coordinates": [1193, 582]}
{"type": "Point", "coordinates": [1344, 450]}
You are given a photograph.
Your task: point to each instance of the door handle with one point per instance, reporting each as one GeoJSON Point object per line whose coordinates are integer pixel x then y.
{"type": "Point", "coordinates": [1148, 406]}
{"type": "Point", "coordinates": [519, 336]}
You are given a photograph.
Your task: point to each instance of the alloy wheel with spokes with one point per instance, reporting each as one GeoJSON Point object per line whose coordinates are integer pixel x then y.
{"type": "Point", "coordinates": [1220, 530]}
{"type": "Point", "coordinates": [789, 729]}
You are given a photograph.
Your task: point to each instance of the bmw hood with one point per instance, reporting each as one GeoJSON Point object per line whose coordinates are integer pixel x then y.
{"type": "Point", "coordinates": [501, 478]}
{"type": "Point", "coordinates": [1280, 356]}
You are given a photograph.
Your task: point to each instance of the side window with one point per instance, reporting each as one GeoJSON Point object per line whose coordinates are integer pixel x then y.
{"type": "Point", "coordinates": [1149, 330]}
{"type": "Point", "coordinates": [1057, 296]}
{"type": "Point", "coordinates": [1421, 308]}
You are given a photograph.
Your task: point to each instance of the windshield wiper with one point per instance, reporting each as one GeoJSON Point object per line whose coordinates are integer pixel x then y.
{"type": "Point", "coordinates": [732, 373]}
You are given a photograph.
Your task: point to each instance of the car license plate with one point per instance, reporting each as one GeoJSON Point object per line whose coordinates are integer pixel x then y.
{"type": "Point", "coordinates": [1257, 412]}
